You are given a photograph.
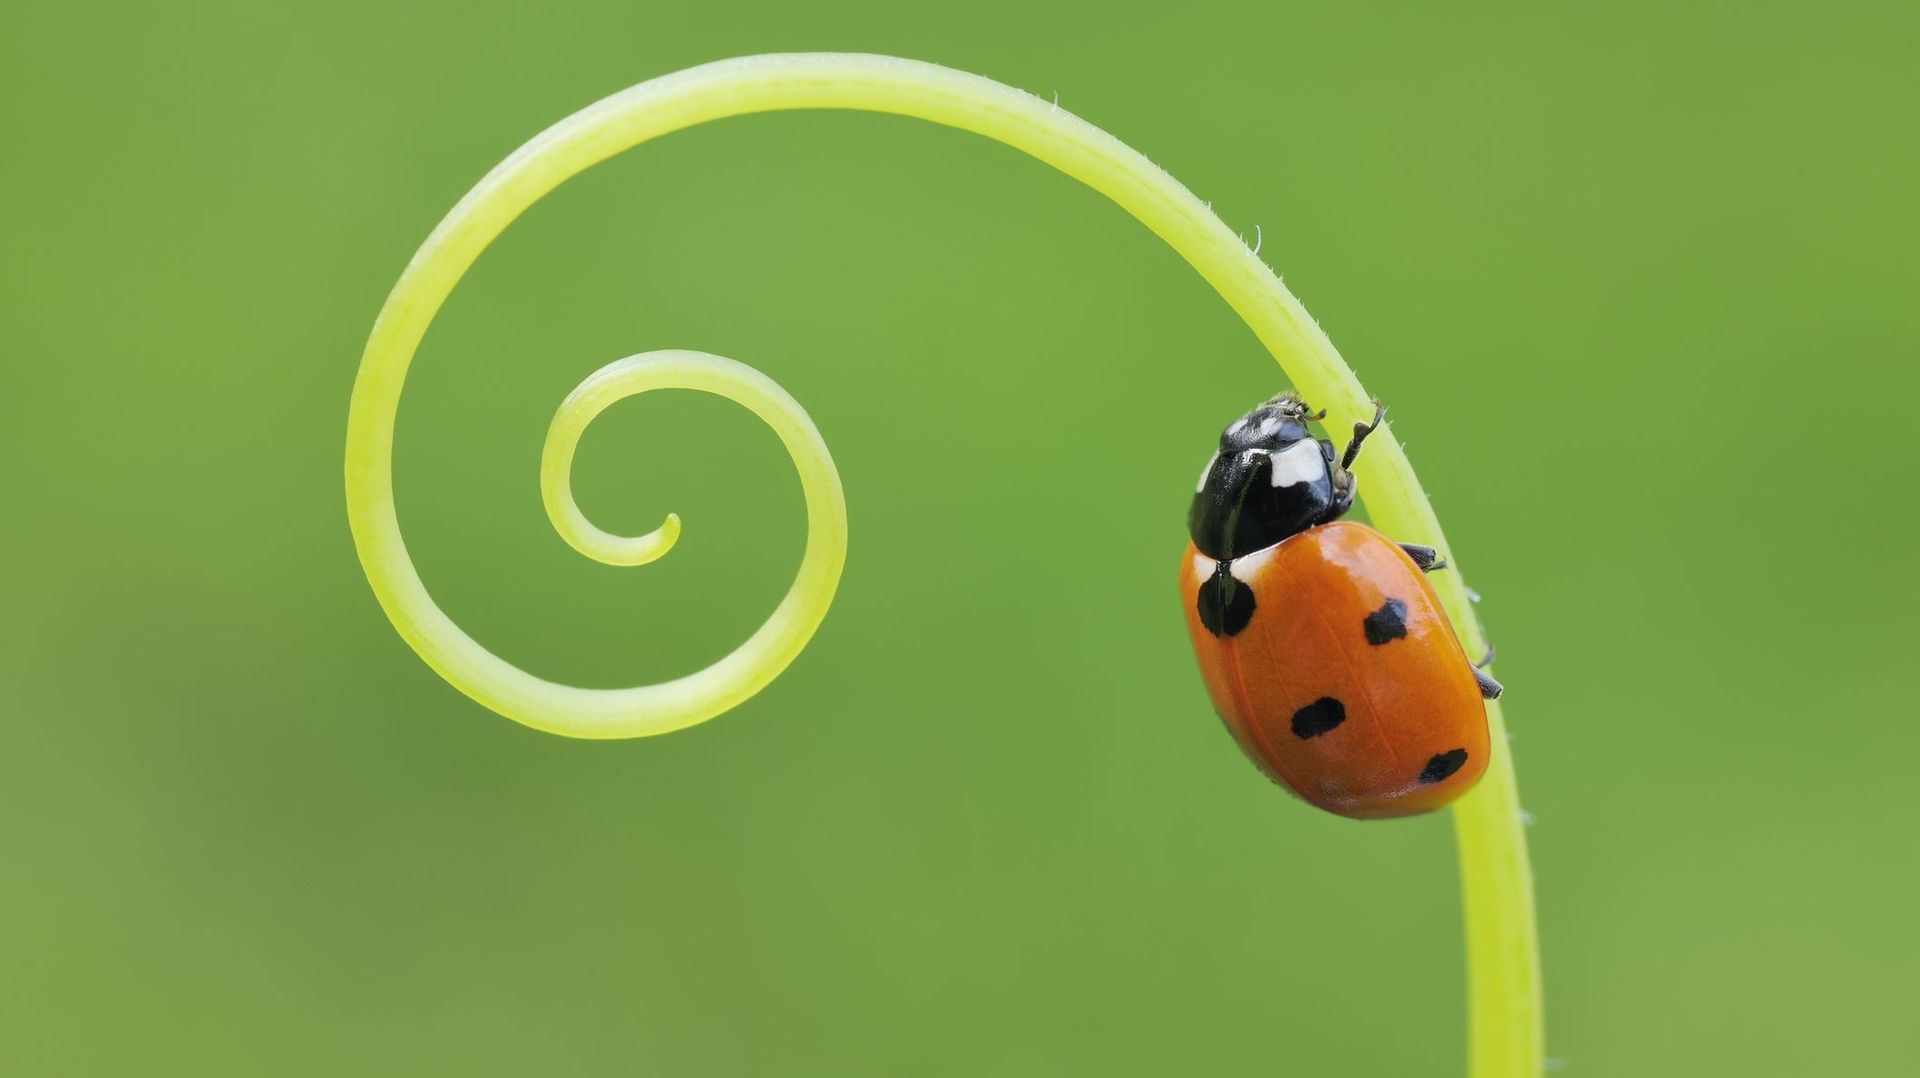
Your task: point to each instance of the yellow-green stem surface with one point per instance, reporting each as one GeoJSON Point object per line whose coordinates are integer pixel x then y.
{"type": "Point", "coordinates": [1504, 1032]}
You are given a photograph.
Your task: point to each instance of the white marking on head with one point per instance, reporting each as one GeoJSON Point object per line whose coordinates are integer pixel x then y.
{"type": "Point", "coordinates": [1269, 425]}
{"type": "Point", "coordinates": [1300, 462]}
{"type": "Point", "coordinates": [1204, 472]}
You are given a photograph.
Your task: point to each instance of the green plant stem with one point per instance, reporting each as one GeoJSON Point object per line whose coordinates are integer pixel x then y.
{"type": "Point", "coordinates": [1504, 1027]}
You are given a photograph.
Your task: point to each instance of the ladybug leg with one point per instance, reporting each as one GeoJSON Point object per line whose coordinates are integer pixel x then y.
{"type": "Point", "coordinates": [1360, 432]}
{"type": "Point", "coordinates": [1427, 558]}
{"type": "Point", "coordinates": [1489, 688]}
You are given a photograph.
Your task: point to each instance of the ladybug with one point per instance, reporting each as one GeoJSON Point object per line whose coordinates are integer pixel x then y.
{"type": "Point", "coordinates": [1323, 646]}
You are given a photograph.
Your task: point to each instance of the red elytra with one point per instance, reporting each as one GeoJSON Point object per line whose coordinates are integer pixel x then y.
{"type": "Point", "coordinates": [1364, 718]}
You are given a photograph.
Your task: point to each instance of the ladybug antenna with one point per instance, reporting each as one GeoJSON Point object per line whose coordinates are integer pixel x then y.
{"type": "Point", "coordinates": [1289, 402]}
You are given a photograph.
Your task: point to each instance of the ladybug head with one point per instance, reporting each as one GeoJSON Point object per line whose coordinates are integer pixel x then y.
{"type": "Point", "coordinates": [1270, 478]}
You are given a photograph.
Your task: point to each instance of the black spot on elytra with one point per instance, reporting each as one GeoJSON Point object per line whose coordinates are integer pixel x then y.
{"type": "Point", "coordinates": [1387, 623]}
{"type": "Point", "coordinates": [1318, 717]}
{"type": "Point", "coordinates": [1443, 765]}
{"type": "Point", "coordinates": [1225, 604]}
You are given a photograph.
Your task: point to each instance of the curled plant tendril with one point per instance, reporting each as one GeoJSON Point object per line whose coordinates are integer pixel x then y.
{"type": "Point", "coordinates": [1503, 970]}
{"type": "Point", "coordinates": [645, 709]}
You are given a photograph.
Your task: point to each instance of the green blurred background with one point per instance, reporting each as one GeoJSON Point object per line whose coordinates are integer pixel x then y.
{"type": "Point", "coordinates": [1638, 281]}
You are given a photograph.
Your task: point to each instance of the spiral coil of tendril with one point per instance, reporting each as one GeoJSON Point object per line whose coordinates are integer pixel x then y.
{"type": "Point", "coordinates": [1505, 1030]}
{"type": "Point", "coordinates": [646, 111]}
{"type": "Point", "coordinates": [661, 106]}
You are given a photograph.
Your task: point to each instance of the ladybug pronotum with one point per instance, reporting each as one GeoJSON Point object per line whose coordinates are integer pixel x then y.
{"type": "Point", "coordinates": [1320, 641]}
